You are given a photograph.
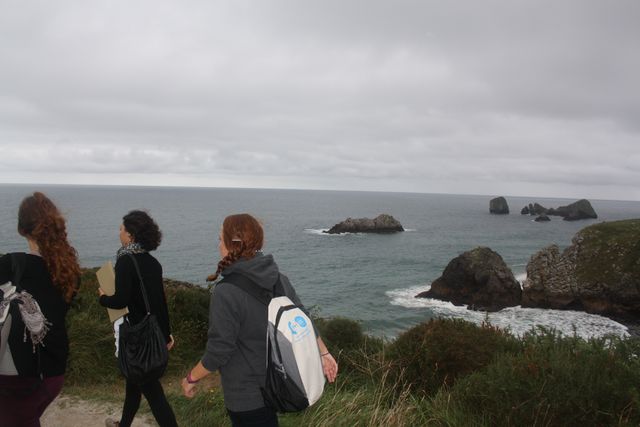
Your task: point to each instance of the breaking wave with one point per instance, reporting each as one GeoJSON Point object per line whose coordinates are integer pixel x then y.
{"type": "Point", "coordinates": [516, 319]}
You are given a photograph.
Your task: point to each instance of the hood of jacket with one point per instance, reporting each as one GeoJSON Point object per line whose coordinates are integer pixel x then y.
{"type": "Point", "coordinates": [261, 269]}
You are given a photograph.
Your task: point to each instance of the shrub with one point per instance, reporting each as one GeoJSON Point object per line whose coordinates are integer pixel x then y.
{"type": "Point", "coordinates": [436, 353]}
{"type": "Point", "coordinates": [354, 350]}
{"type": "Point", "coordinates": [91, 342]}
{"type": "Point", "coordinates": [555, 381]}
{"type": "Point", "coordinates": [343, 334]}
{"type": "Point", "coordinates": [189, 313]}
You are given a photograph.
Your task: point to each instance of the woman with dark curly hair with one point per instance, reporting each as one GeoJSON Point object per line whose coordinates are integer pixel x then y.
{"type": "Point", "coordinates": [139, 234]}
{"type": "Point", "coordinates": [34, 345]}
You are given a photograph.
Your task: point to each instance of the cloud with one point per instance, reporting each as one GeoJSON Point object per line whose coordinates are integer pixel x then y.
{"type": "Point", "coordinates": [378, 95]}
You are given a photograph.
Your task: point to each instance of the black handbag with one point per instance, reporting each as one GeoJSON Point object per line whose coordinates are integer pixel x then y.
{"type": "Point", "coordinates": [142, 353]}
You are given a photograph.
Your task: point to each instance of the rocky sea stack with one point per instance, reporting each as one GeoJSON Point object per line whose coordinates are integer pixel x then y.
{"type": "Point", "coordinates": [383, 223]}
{"type": "Point", "coordinates": [499, 206]}
{"type": "Point", "coordinates": [599, 273]}
{"type": "Point", "coordinates": [581, 209]}
{"type": "Point", "coordinates": [479, 278]}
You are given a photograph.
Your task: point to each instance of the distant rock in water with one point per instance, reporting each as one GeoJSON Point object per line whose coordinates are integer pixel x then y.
{"type": "Point", "coordinates": [535, 209]}
{"type": "Point", "coordinates": [479, 278]}
{"type": "Point", "coordinates": [499, 206]}
{"type": "Point", "coordinates": [542, 218]}
{"type": "Point", "coordinates": [581, 209]}
{"type": "Point", "coordinates": [381, 224]}
{"type": "Point", "coordinates": [599, 273]}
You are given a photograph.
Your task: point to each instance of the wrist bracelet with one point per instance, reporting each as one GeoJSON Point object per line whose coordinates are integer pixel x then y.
{"type": "Point", "coordinates": [191, 380]}
{"type": "Point", "coordinates": [324, 354]}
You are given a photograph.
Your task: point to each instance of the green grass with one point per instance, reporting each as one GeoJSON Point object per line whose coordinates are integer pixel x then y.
{"type": "Point", "coordinates": [609, 251]}
{"type": "Point", "coordinates": [444, 372]}
{"type": "Point", "coordinates": [554, 381]}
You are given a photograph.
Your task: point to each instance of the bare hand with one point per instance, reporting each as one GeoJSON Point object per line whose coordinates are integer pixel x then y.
{"type": "Point", "coordinates": [100, 291]}
{"type": "Point", "coordinates": [189, 390]}
{"type": "Point", "coordinates": [329, 367]}
{"type": "Point", "coordinates": [171, 343]}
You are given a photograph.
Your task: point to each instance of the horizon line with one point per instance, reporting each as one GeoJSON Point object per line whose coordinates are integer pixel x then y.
{"type": "Point", "coordinates": [204, 187]}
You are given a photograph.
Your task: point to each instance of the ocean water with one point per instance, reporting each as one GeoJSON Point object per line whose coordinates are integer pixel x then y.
{"type": "Point", "coordinates": [371, 278]}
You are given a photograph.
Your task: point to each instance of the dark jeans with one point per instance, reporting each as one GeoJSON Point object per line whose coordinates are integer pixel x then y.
{"type": "Point", "coordinates": [261, 417]}
{"type": "Point", "coordinates": [18, 410]}
{"type": "Point", "coordinates": [154, 394]}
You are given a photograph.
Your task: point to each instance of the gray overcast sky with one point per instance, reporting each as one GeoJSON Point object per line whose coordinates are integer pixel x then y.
{"type": "Point", "coordinates": [533, 98]}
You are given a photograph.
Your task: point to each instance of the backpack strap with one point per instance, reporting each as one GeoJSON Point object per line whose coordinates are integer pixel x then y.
{"type": "Point", "coordinates": [263, 295]}
{"type": "Point", "coordinates": [18, 262]}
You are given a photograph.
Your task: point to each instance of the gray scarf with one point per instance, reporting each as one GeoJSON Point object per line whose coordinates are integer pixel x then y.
{"type": "Point", "coordinates": [32, 317]}
{"type": "Point", "coordinates": [130, 248]}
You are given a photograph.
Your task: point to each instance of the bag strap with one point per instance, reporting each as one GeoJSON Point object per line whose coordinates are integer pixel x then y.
{"type": "Point", "coordinates": [263, 295]}
{"type": "Point", "coordinates": [144, 291]}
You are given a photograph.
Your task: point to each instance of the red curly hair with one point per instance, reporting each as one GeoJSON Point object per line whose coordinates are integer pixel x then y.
{"type": "Point", "coordinates": [243, 236]}
{"type": "Point", "coordinates": [41, 221]}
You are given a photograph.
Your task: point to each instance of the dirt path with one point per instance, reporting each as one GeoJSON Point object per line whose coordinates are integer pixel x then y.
{"type": "Point", "coordinates": [69, 411]}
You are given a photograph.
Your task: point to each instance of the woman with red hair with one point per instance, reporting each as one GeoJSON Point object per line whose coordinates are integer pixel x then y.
{"type": "Point", "coordinates": [35, 346]}
{"type": "Point", "coordinates": [238, 325]}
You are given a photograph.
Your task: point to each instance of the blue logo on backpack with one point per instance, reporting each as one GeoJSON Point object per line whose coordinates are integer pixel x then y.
{"type": "Point", "coordinates": [298, 323]}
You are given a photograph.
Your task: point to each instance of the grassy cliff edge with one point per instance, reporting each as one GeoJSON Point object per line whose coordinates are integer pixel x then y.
{"type": "Point", "coordinates": [443, 372]}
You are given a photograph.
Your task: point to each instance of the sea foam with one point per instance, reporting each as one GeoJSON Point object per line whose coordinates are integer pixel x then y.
{"type": "Point", "coordinates": [517, 319]}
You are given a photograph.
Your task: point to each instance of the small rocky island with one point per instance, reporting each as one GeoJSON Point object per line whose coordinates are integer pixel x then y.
{"type": "Point", "coordinates": [581, 209]}
{"type": "Point", "coordinates": [498, 206]}
{"type": "Point", "coordinates": [383, 224]}
{"type": "Point", "coordinates": [479, 278]}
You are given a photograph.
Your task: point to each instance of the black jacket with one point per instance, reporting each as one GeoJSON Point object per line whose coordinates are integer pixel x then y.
{"type": "Point", "coordinates": [129, 294]}
{"type": "Point", "coordinates": [53, 355]}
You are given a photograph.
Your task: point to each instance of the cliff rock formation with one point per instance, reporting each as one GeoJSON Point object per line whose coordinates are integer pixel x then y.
{"type": "Point", "coordinates": [479, 278]}
{"type": "Point", "coordinates": [599, 272]}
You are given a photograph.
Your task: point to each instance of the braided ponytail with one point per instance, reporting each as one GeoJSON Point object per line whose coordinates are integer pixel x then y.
{"type": "Point", "coordinates": [243, 236]}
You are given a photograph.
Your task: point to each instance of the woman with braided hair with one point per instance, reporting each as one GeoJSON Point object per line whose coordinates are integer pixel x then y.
{"type": "Point", "coordinates": [33, 364]}
{"type": "Point", "coordinates": [238, 325]}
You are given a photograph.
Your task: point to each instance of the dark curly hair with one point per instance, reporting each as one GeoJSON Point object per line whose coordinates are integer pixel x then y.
{"type": "Point", "coordinates": [143, 229]}
{"type": "Point", "coordinates": [40, 220]}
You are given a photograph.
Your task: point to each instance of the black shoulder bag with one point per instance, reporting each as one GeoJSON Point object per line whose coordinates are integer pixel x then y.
{"type": "Point", "coordinates": [142, 354]}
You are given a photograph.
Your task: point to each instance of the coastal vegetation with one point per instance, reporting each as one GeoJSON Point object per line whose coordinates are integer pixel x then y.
{"type": "Point", "coordinates": [444, 372]}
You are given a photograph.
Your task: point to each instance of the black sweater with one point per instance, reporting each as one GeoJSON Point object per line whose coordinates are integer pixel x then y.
{"type": "Point", "coordinates": [53, 355]}
{"type": "Point", "coordinates": [129, 294]}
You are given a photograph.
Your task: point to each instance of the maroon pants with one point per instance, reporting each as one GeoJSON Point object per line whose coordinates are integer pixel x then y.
{"type": "Point", "coordinates": [17, 410]}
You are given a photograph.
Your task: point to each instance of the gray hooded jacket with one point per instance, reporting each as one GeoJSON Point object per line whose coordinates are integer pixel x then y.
{"type": "Point", "coordinates": [237, 332]}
